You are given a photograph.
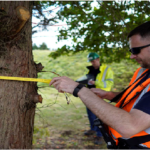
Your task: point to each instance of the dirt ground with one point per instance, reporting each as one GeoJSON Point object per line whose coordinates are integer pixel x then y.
{"type": "Point", "coordinates": [68, 140]}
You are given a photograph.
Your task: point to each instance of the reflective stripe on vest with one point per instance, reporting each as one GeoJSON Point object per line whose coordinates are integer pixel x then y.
{"type": "Point", "coordinates": [103, 78]}
{"type": "Point", "coordinates": [140, 72]}
{"type": "Point", "coordinates": [145, 86]}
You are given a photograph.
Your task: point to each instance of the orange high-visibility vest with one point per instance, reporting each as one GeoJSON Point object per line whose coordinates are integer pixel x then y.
{"type": "Point", "coordinates": [128, 105]}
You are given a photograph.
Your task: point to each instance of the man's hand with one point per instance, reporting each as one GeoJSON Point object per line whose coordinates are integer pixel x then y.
{"type": "Point", "coordinates": [99, 92]}
{"type": "Point", "coordinates": [104, 94]}
{"type": "Point", "coordinates": [64, 84]}
{"type": "Point", "coordinates": [91, 82]}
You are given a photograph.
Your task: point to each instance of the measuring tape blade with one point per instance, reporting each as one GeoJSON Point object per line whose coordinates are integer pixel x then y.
{"type": "Point", "coordinates": [25, 79]}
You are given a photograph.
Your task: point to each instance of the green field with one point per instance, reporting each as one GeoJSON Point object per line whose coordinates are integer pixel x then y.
{"type": "Point", "coordinates": [54, 116]}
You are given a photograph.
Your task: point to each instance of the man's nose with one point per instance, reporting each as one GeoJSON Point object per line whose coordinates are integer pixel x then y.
{"type": "Point", "coordinates": [132, 56]}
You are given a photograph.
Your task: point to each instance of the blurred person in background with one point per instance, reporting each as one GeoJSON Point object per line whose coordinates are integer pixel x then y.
{"type": "Point", "coordinates": [98, 76]}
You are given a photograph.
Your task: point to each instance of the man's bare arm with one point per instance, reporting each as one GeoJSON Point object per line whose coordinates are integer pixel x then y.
{"type": "Point", "coordinates": [127, 124]}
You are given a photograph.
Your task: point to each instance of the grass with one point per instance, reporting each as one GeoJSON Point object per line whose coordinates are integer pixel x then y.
{"type": "Point", "coordinates": [57, 124]}
{"type": "Point", "coordinates": [59, 111]}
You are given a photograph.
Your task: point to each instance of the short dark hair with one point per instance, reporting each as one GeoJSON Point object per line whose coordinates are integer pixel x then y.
{"type": "Point", "coordinates": [143, 30]}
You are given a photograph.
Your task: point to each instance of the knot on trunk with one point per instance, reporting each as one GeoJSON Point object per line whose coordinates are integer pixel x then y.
{"type": "Point", "coordinates": [31, 100]}
{"type": "Point", "coordinates": [36, 98]}
{"type": "Point", "coordinates": [39, 67]}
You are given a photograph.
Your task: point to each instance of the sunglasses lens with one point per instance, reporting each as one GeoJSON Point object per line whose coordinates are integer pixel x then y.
{"type": "Point", "coordinates": [135, 51]}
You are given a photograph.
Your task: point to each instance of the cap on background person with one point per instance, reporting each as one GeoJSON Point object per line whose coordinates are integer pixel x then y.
{"type": "Point", "coordinates": [92, 55]}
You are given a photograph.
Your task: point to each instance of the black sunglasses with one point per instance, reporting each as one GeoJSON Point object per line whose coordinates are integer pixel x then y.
{"type": "Point", "coordinates": [137, 50]}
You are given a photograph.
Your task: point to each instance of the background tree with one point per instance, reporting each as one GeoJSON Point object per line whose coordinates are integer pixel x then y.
{"type": "Point", "coordinates": [34, 47]}
{"type": "Point", "coordinates": [43, 46]}
{"type": "Point", "coordinates": [101, 29]}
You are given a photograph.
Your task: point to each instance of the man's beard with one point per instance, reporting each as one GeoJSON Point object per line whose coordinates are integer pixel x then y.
{"type": "Point", "coordinates": [145, 65]}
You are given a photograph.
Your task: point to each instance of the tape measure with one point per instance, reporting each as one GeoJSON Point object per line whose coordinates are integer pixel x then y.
{"type": "Point", "coordinates": [25, 79]}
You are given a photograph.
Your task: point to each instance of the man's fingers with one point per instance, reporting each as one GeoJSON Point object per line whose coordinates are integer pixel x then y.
{"type": "Point", "coordinates": [54, 80]}
{"type": "Point", "coordinates": [63, 84]}
{"type": "Point", "coordinates": [56, 84]}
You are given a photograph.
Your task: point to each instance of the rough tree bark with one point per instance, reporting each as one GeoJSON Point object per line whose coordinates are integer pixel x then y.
{"type": "Point", "coordinates": [17, 99]}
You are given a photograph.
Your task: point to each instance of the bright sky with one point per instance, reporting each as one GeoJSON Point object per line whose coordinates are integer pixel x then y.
{"type": "Point", "coordinates": [50, 36]}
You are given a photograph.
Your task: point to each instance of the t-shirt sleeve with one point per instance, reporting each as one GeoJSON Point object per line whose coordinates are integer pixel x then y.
{"type": "Point", "coordinates": [144, 103]}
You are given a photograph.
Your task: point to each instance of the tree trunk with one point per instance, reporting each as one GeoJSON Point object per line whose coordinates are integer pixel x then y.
{"type": "Point", "coordinates": [17, 105]}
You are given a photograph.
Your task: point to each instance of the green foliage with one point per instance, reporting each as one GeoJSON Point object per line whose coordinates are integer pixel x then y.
{"type": "Point", "coordinates": [43, 46]}
{"type": "Point", "coordinates": [123, 72]}
{"type": "Point", "coordinates": [103, 29]}
{"type": "Point", "coordinates": [34, 47]}
{"type": "Point", "coordinates": [71, 66]}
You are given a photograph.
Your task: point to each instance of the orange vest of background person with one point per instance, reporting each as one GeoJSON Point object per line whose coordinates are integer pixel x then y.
{"type": "Point", "coordinates": [137, 93]}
